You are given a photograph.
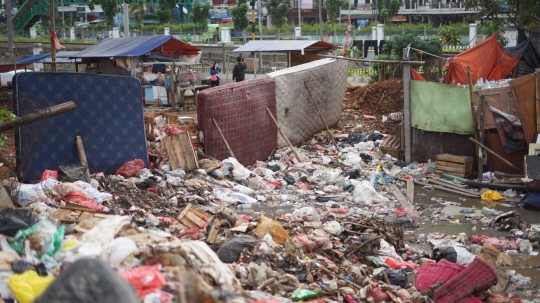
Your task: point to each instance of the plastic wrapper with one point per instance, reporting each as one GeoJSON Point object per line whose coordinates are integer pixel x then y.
{"type": "Point", "coordinates": [239, 172]}
{"type": "Point", "coordinates": [12, 220]}
{"type": "Point", "coordinates": [29, 193]}
{"type": "Point", "coordinates": [72, 173]}
{"type": "Point", "coordinates": [492, 195]}
{"type": "Point", "coordinates": [365, 193]}
{"type": "Point", "coordinates": [79, 198]}
{"type": "Point", "coordinates": [145, 279]}
{"type": "Point", "coordinates": [131, 168]}
{"type": "Point", "coordinates": [305, 294]}
{"type": "Point", "coordinates": [304, 214]}
{"type": "Point", "coordinates": [96, 194]}
{"type": "Point", "coordinates": [49, 174]}
{"type": "Point", "coordinates": [333, 227]}
{"type": "Point", "coordinates": [28, 286]}
{"type": "Point", "coordinates": [269, 226]}
{"type": "Point", "coordinates": [117, 250]}
{"type": "Point", "coordinates": [44, 238]}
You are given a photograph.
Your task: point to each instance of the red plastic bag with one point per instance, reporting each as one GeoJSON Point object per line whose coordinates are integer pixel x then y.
{"type": "Point", "coordinates": [193, 233]}
{"type": "Point", "coordinates": [379, 295]}
{"type": "Point", "coordinates": [79, 198]}
{"type": "Point", "coordinates": [49, 174]}
{"type": "Point", "coordinates": [401, 211]}
{"type": "Point", "coordinates": [145, 279]}
{"type": "Point", "coordinates": [130, 168]}
{"type": "Point", "coordinates": [395, 264]}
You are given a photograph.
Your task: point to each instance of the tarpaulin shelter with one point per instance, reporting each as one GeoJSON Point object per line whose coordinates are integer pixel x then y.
{"type": "Point", "coordinates": [24, 61]}
{"type": "Point", "coordinates": [483, 59]}
{"type": "Point", "coordinates": [530, 58]}
{"type": "Point", "coordinates": [298, 51]}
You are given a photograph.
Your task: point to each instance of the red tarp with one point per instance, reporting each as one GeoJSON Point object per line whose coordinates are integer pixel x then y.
{"type": "Point", "coordinates": [482, 59]}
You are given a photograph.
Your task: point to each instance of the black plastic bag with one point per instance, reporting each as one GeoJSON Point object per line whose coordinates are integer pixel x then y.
{"type": "Point", "coordinates": [20, 266]}
{"type": "Point", "coordinates": [229, 218]}
{"type": "Point", "coordinates": [375, 136]}
{"type": "Point", "coordinates": [366, 157]}
{"type": "Point", "coordinates": [352, 174]}
{"type": "Point", "coordinates": [230, 251]}
{"type": "Point", "coordinates": [273, 168]}
{"type": "Point", "coordinates": [356, 138]}
{"type": "Point", "coordinates": [12, 220]}
{"type": "Point", "coordinates": [400, 163]}
{"type": "Point", "coordinates": [395, 276]}
{"type": "Point", "coordinates": [72, 173]}
{"type": "Point", "coordinates": [289, 179]}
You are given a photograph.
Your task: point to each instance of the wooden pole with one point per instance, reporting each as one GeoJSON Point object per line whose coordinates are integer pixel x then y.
{"type": "Point", "coordinates": [284, 136]}
{"type": "Point", "coordinates": [474, 121]}
{"type": "Point", "coordinates": [481, 139]}
{"type": "Point", "coordinates": [223, 138]}
{"type": "Point", "coordinates": [407, 108]}
{"type": "Point", "coordinates": [373, 61]}
{"type": "Point", "coordinates": [82, 154]}
{"type": "Point", "coordinates": [538, 100]}
{"type": "Point", "coordinates": [320, 114]}
{"type": "Point", "coordinates": [173, 93]}
{"type": "Point", "coordinates": [53, 47]}
{"type": "Point", "coordinates": [40, 115]}
{"type": "Point", "coordinates": [496, 155]}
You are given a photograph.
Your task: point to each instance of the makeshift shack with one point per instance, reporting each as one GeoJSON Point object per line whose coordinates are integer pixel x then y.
{"type": "Point", "coordinates": [298, 51]}
{"type": "Point", "coordinates": [63, 62]}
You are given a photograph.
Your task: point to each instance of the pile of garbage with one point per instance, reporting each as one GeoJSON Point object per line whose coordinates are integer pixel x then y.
{"type": "Point", "coordinates": [343, 233]}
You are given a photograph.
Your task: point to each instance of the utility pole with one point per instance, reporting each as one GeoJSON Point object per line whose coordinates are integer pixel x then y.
{"type": "Point", "coordinates": [53, 47]}
{"type": "Point", "coordinates": [252, 2]}
{"type": "Point", "coordinates": [260, 33]}
{"type": "Point", "coordinates": [9, 21]}
{"type": "Point", "coordinates": [299, 13]}
{"type": "Point", "coordinates": [125, 8]}
{"type": "Point", "coordinates": [320, 19]}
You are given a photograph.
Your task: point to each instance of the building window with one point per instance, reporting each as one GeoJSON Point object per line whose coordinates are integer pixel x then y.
{"type": "Point", "coordinates": [295, 4]}
{"type": "Point", "coordinates": [224, 1]}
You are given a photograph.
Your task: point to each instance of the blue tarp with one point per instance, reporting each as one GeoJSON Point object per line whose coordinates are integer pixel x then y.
{"type": "Point", "coordinates": [136, 46]}
{"type": "Point", "coordinates": [108, 117]}
{"type": "Point", "coordinates": [24, 61]}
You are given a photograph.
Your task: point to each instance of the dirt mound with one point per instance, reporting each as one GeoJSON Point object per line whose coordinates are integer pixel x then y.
{"type": "Point", "coordinates": [380, 98]}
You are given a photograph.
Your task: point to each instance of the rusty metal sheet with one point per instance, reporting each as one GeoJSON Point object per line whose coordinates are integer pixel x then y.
{"type": "Point", "coordinates": [524, 92]}
{"type": "Point", "coordinates": [500, 98]}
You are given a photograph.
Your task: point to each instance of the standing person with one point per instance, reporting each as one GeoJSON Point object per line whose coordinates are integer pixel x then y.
{"type": "Point", "coordinates": [214, 75]}
{"type": "Point", "coordinates": [238, 71]}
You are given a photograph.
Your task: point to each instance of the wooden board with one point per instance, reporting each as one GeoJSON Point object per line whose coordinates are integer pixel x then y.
{"type": "Point", "coordinates": [193, 217]}
{"type": "Point", "coordinates": [450, 168]}
{"type": "Point", "coordinates": [453, 173]}
{"type": "Point", "coordinates": [449, 164]}
{"type": "Point", "coordinates": [453, 158]}
{"type": "Point", "coordinates": [501, 98]}
{"type": "Point", "coordinates": [538, 100]}
{"type": "Point", "coordinates": [180, 151]}
{"type": "Point", "coordinates": [75, 214]}
{"type": "Point", "coordinates": [524, 92]}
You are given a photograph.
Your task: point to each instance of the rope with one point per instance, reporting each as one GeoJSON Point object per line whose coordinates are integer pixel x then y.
{"type": "Point", "coordinates": [428, 53]}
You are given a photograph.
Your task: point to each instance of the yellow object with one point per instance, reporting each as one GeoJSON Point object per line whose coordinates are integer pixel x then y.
{"type": "Point", "coordinates": [492, 195]}
{"type": "Point", "coordinates": [269, 226]}
{"type": "Point", "coordinates": [70, 244]}
{"type": "Point", "coordinates": [28, 286]}
{"type": "Point", "coordinates": [378, 169]}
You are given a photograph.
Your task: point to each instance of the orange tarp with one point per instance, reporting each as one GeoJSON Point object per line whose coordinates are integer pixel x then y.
{"type": "Point", "coordinates": [416, 76]}
{"type": "Point", "coordinates": [483, 59]}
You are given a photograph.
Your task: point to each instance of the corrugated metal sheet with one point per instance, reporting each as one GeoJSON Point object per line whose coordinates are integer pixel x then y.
{"type": "Point", "coordinates": [524, 92]}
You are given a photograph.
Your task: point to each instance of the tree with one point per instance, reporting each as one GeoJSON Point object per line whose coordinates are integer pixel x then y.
{"type": "Point", "coordinates": [164, 13]}
{"type": "Point", "coordinates": [109, 9]}
{"type": "Point", "coordinates": [139, 13]}
{"type": "Point", "coordinates": [200, 13]}
{"type": "Point", "coordinates": [332, 6]}
{"type": "Point", "coordinates": [520, 13]}
{"type": "Point", "coordinates": [278, 9]}
{"type": "Point", "coordinates": [387, 8]}
{"type": "Point", "coordinates": [239, 15]}
{"type": "Point", "coordinates": [449, 36]}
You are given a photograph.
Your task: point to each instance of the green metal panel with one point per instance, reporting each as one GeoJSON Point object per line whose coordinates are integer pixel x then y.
{"type": "Point", "coordinates": [440, 108]}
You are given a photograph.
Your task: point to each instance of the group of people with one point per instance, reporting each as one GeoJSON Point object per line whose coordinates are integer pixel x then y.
{"type": "Point", "coordinates": [238, 72]}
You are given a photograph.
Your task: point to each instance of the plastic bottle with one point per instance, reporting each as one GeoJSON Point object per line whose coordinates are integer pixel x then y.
{"type": "Point", "coordinates": [374, 178]}
{"type": "Point", "coordinates": [243, 206]}
{"type": "Point", "coordinates": [489, 211]}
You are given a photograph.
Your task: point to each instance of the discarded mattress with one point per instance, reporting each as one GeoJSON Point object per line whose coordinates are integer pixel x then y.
{"type": "Point", "coordinates": [240, 112]}
{"type": "Point", "coordinates": [108, 117]}
{"type": "Point", "coordinates": [296, 114]}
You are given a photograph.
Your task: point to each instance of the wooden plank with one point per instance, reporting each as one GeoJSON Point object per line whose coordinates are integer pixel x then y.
{"type": "Point", "coordinates": [82, 153]}
{"type": "Point", "coordinates": [184, 211]}
{"type": "Point", "coordinates": [212, 235]}
{"type": "Point", "coordinates": [451, 169]}
{"type": "Point", "coordinates": [410, 190]}
{"type": "Point", "coordinates": [453, 158]}
{"type": "Point", "coordinates": [173, 161]}
{"type": "Point", "coordinates": [450, 164]}
{"type": "Point", "coordinates": [524, 92]}
{"type": "Point", "coordinates": [481, 138]}
{"type": "Point", "coordinates": [180, 151]}
{"type": "Point", "coordinates": [195, 219]}
{"type": "Point", "coordinates": [538, 100]}
{"type": "Point", "coordinates": [472, 192]}
{"type": "Point", "coordinates": [460, 175]}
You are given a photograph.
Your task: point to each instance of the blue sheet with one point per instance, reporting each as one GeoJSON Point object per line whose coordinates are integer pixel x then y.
{"type": "Point", "coordinates": [109, 117]}
{"type": "Point", "coordinates": [24, 61]}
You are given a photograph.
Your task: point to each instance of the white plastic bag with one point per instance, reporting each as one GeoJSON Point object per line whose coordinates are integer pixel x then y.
{"type": "Point", "coordinates": [238, 170]}
{"type": "Point", "coordinates": [29, 193]}
{"type": "Point", "coordinates": [244, 190]}
{"type": "Point", "coordinates": [96, 194]}
{"type": "Point", "coordinates": [305, 214]}
{"type": "Point", "coordinates": [365, 193]}
{"type": "Point", "coordinates": [333, 227]}
{"type": "Point", "coordinates": [117, 250]}
{"type": "Point", "coordinates": [353, 159]}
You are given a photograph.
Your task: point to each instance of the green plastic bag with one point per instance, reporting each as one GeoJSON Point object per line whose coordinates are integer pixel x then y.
{"type": "Point", "coordinates": [52, 238]}
{"type": "Point", "coordinates": [305, 294]}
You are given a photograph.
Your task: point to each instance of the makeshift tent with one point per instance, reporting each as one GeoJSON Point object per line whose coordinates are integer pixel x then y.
{"type": "Point", "coordinates": [24, 61]}
{"type": "Point", "coordinates": [137, 46]}
{"type": "Point", "coordinates": [482, 59]}
{"type": "Point", "coordinates": [525, 50]}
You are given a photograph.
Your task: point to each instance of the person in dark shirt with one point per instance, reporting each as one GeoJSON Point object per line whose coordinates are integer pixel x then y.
{"type": "Point", "coordinates": [238, 71]}
{"type": "Point", "coordinates": [244, 65]}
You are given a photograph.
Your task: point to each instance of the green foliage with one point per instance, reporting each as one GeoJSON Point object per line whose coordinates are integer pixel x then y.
{"type": "Point", "coordinates": [139, 13]}
{"type": "Point", "coordinates": [239, 15]}
{"type": "Point", "coordinates": [495, 27]}
{"type": "Point", "coordinates": [167, 4]}
{"type": "Point", "coordinates": [5, 116]}
{"type": "Point", "coordinates": [278, 9]}
{"type": "Point", "coordinates": [201, 13]}
{"type": "Point", "coordinates": [449, 36]}
{"type": "Point", "coordinates": [393, 48]}
{"type": "Point", "coordinates": [332, 6]}
{"type": "Point", "coordinates": [352, 52]}
{"type": "Point", "coordinates": [388, 8]}
{"type": "Point", "coordinates": [109, 9]}
{"type": "Point", "coordinates": [163, 15]}
{"type": "Point", "coordinates": [520, 13]}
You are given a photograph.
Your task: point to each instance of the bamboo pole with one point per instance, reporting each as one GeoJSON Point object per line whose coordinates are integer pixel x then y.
{"type": "Point", "coordinates": [496, 155]}
{"type": "Point", "coordinates": [373, 61]}
{"type": "Point", "coordinates": [320, 114]}
{"type": "Point", "coordinates": [40, 115]}
{"type": "Point", "coordinates": [284, 136]}
{"type": "Point", "coordinates": [223, 138]}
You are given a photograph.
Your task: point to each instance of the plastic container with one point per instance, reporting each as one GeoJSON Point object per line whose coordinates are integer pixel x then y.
{"type": "Point", "coordinates": [490, 211]}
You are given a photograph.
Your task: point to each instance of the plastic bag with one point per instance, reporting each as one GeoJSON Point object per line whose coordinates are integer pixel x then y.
{"type": "Point", "coordinates": [395, 264]}
{"type": "Point", "coordinates": [510, 193]}
{"type": "Point", "coordinates": [45, 238]}
{"type": "Point", "coordinates": [53, 174]}
{"type": "Point", "coordinates": [304, 214]}
{"type": "Point", "coordinates": [28, 286]}
{"type": "Point", "coordinates": [305, 294]}
{"type": "Point", "coordinates": [117, 250]}
{"type": "Point", "coordinates": [492, 195]}
{"type": "Point", "coordinates": [79, 198]}
{"type": "Point", "coordinates": [395, 276]}
{"type": "Point", "coordinates": [29, 193]}
{"type": "Point", "coordinates": [131, 168]}
{"type": "Point", "coordinates": [96, 194]}
{"type": "Point", "coordinates": [353, 159]}
{"type": "Point", "coordinates": [13, 220]}
{"type": "Point", "coordinates": [64, 188]}
{"type": "Point", "coordinates": [230, 251]}
{"type": "Point", "coordinates": [365, 193]}
{"type": "Point", "coordinates": [145, 279]}
{"type": "Point", "coordinates": [333, 227]}
{"type": "Point", "coordinates": [239, 172]}
{"type": "Point", "coordinates": [269, 226]}
{"type": "Point", "coordinates": [72, 173]}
